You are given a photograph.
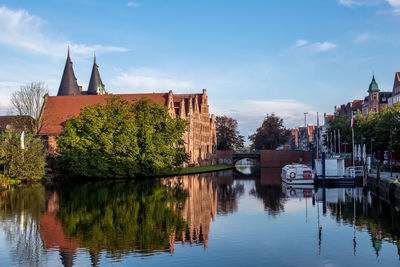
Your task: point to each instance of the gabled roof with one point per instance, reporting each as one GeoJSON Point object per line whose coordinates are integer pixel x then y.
{"type": "Point", "coordinates": [68, 85]}
{"type": "Point", "coordinates": [396, 83]}
{"type": "Point", "coordinates": [96, 86]}
{"type": "Point", "coordinates": [58, 109]}
{"type": "Point", "coordinates": [357, 104]}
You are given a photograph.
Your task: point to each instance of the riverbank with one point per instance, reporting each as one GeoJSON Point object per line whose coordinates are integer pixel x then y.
{"type": "Point", "coordinates": [194, 170]}
{"type": "Point", "coordinates": [384, 187]}
{"type": "Point", "coordinates": [52, 176]}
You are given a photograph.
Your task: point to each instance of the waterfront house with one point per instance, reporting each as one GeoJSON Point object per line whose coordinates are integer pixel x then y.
{"type": "Point", "coordinates": [200, 137]}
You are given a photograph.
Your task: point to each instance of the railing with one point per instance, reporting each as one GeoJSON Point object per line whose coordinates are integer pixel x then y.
{"type": "Point", "coordinates": [354, 171]}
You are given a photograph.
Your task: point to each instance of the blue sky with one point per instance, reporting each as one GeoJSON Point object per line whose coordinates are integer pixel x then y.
{"type": "Point", "coordinates": [253, 57]}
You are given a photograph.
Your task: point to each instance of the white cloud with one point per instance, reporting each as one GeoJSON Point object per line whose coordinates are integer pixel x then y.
{"type": "Point", "coordinates": [395, 4]}
{"type": "Point", "coordinates": [250, 113]}
{"type": "Point", "coordinates": [149, 80]}
{"type": "Point", "coordinates": [133, 4]}
{"type": "Point", "coordinates": [19, 29]}
{"type": "Point", "coordinates": [361, 38]}
{"type": "Point", "coordinates": [300, 42]}
{"type": "Point", "coordinates": [348, 3]}
{"type": "Point", "coordinates": [315, 47]}
{"type": "Point", "coordinates": [322, 47]}
{"type": "Point", "coordinates": [352, 3]}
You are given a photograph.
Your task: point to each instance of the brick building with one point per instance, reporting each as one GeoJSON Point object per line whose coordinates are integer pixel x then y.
{"type": "Point", "coordinates": [200, 137]}
{"type": "Point", "coordinates": [347, 109]}
{"type": "Point", "coordinates": [376, 100]}
{"type": "Point", "coordinates": [302, 138]}
{"type": "Point", "coordinates": [395, 98]}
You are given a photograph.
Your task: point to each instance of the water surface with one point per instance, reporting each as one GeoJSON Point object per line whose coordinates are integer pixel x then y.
{"type": "Point", "coordinates": [222, 218]}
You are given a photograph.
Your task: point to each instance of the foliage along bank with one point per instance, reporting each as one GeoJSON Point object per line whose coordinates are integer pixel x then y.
{"type": "Point", "coordinates": [121, 139]}
{"type": "Point", "coordinates": [378, 131]}
{"type": "Point", "coordinates": [19, 162]}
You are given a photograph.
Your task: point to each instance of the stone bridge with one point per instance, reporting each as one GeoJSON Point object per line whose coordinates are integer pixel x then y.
{"type": "Point", "coordinates": [266, 158]}
{"type": "Point", "coordinates": [239, 156]}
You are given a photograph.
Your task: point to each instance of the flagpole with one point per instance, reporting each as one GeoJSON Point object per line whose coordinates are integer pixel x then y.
{"type": "Point", "coordinates": [317, 137]}
{"type": "Point", "coordinates": [352, 137]}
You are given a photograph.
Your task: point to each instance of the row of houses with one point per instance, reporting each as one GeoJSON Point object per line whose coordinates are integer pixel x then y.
{"type": "Point", "coordinates": [375, 101]}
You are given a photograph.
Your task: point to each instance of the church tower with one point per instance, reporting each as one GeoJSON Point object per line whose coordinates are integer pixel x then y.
{"type": "Point", "coordinates": [96, 86]}
{"type": "Point", "coordinates": [68, 85]}
{"type": "Point", "coordinates": [373, 96]}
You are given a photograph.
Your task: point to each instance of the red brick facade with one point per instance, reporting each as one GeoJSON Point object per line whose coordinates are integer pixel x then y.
{"type": "Point", "coordinates": [200, 137]}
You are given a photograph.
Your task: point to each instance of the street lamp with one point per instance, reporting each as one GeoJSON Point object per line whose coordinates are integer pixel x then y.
{"type": "Point", "coordinates": [391, 155]}
{"type": "Point", "coordinates": [305, 119]}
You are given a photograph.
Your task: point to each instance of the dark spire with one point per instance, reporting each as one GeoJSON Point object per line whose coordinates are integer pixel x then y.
{"type": "Point", "coordinates": [68, 85]}
{"type": "Point", "coordinates": [96, 86]}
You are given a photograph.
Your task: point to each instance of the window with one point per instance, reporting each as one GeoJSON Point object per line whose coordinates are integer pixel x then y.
{"type": "Point", "coordinates": [374, 96]}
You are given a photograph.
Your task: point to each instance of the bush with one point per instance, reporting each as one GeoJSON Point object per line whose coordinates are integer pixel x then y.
{"type": "Point", "coordinates": [121, 139]}
{"type": "Point", "coordinates": [22, 164]}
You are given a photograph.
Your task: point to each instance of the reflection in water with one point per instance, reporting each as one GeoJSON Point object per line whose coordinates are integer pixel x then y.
{"type": "Point", "coordinates": [268, 188]}
{"type": "Point", "coordinates": [112, 217]}
{"type": "Point", "coordinates": [21, 209]}
{"type": "Point", "coordinates": [120, 220]}
{"type": "Point", "coordinates": [228, 197]}
{"type": "Point", "coordinates": [198, 210]}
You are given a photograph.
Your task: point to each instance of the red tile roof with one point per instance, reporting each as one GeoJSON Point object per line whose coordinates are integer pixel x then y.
{"type": "Point", "coordinates": [58, 109]}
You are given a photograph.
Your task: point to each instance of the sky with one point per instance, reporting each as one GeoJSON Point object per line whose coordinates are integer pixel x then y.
{"type": "Point", "coordinates": [254, 57]}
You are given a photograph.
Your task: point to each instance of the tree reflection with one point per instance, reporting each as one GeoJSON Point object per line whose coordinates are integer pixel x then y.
{"type": "Point", "coordinates": [228, 197]}
{"type": "Point", "coordinates": [21, 209]}
{"type": "Point", "coordinates": [121, 217]}
{"type": "Point", "coordinates": [271, 195]}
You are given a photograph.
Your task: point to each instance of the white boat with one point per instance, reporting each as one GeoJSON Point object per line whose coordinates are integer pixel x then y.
{"type": "Point", "coordinates": [335, 171]}
{"type": "Point", "coordinates": [297, 174]}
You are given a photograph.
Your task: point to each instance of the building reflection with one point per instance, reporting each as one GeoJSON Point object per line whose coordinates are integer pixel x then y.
{"type": "Point", "coordinates": [199, 209]}
{"type": "Point", "coordinates": [119, 218]}
{"type": "Point", "coordinates": [146, 219]}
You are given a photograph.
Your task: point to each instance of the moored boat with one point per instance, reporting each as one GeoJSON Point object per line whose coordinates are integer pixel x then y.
{"type": "Point", "coordinates": [297, 174]}
{"type": "Point", "coordinates": [335, 172]}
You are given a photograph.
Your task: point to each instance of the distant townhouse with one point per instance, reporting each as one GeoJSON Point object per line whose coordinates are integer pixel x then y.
{"type": "Point", "coordinates": [395, 98]}
{"type": "Point", "coordinates": [302, 138]}
{"type": "Point", "coordinates": [347, 109]}
{"type": "Point", "coordinates": [376, 100]}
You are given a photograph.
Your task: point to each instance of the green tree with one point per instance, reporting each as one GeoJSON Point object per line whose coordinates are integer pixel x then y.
{"type": "Point", "coordinates": [343, 124]}
{"type": "Point", "coordinates": [374, 130]}
{"type": "Point", "coordinates": [228, 136]}
{"type": "Point", "coordinates": [121, 139]}
{"type": "Point", "coordinates": [28, 163]}
{"type": "Point", "coordinates": [271, 134]}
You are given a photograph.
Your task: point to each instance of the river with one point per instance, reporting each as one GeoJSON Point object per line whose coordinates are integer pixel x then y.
{"type": "Point", "coordinates": [222, 218]}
